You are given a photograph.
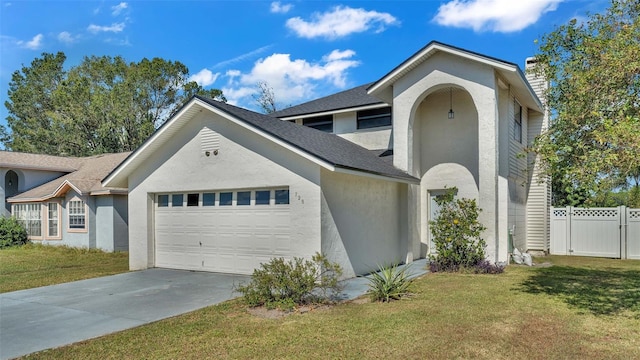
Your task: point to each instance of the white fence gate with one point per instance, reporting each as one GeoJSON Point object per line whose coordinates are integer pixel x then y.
{"type": "Point", "coordinates": [601, 232]}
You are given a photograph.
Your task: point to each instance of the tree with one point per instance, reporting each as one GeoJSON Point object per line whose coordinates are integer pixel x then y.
{"type": "Point", "coordinates": [31, 100]}
{"type": "Point", "coordinates": [593, 68]}
{"type": "Point", "coordinates": [104, 104]}
{"type": "Point", "coordinates": [266, 98]}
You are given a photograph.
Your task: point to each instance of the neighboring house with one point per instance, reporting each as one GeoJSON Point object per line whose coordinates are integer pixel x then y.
{"type": "Point", "coordinates": [61, 201]}
{"type": "Point", "coordinates": [221, 188]}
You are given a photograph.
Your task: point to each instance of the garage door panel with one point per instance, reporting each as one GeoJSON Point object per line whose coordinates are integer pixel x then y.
{"type": "Point", "coordinates": [233, 239]}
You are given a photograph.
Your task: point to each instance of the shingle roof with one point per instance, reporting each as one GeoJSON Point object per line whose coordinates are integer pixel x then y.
{"type": "Point", "coordinates": [327, 147]}
{"type": "Point", "coordinates": [343, 100]}
{"type": "Point", "coordinates": [85, 179]}
{"type": "Point", "coordinates": [19, 160]}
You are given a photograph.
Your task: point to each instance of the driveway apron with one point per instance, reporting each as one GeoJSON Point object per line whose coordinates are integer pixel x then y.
{"type": "Point", "coordinates": [52, 316]}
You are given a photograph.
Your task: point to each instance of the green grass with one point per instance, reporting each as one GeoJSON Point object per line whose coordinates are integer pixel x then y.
{"type": "Point", "coordinates": [532, 313]}
{"type": "Point", "coordinates": [34, 265]}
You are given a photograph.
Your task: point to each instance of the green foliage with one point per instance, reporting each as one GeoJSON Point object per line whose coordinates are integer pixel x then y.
{"type": "Point", "coordinates": [456, 234]}
{"type": "Point", "coordinates": [389, 283]}
{"type": "Point", "coordinates": [104, 104]}
{"type": "Point", "coordinates": [12, 232]}
{"type": "Point", "coordinates": [285, 284]}
{"type": "Point", "coordinates": [593, 142]}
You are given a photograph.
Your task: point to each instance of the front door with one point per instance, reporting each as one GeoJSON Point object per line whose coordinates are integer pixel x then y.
{"type": "Point", "coordinates": [434, 210]}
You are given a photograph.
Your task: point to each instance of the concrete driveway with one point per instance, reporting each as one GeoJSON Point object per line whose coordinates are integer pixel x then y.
{"type": "Point", "coordinates": [52, 316]}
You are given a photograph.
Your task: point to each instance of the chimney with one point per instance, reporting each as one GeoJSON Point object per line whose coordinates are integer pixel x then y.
{"type": "Point", "coordinates": [538, 83]}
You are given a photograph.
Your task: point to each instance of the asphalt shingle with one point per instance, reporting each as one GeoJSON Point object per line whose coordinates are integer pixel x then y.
{"type": "Point", "coordinates": [343, 100]}
{"type": "Point", "coordinates": [327, 147]}
{"type": "Point", "coordinates": [87, 177]}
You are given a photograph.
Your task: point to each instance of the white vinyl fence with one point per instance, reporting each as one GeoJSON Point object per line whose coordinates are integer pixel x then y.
{"type": "Point", "coordinates": [601, 232]}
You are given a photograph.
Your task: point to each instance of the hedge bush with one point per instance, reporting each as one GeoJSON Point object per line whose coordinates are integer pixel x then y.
{"type": "Point", "coordinates": [12, 233]}
{"type": "Point", "coordinates": [286, 284]}
{"type": "Point", "coordinates": [456, 234]}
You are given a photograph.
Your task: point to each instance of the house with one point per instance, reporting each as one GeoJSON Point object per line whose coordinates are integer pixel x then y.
{"type": "Point", "coordinates": [61, 201]}
{"type": "Point", "coordinates": [353, 175]}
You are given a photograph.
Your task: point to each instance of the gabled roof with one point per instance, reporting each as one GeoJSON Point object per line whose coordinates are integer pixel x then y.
{"type": "Point", "coordinates": [85, 180]}
{"type": "Point", "coordinates": [348, 99]}
{"type": "Point", "coordinates": [327, 150]}
{"type": "Point", "coordinates": [27, 161]}
{"type": "Point", "coordinates": [510, 71]}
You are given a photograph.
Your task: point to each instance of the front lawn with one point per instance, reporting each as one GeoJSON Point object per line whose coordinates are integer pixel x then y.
{"type": "Point", "coordinates": [34, 265]}
{"type": "Point", "coordinates": [578, 309]}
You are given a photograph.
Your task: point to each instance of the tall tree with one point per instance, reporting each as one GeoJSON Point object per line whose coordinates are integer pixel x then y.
{"type": "Point", "coordinates": [593, 67]}
{"type": "Point", "coordinates": [104, 104]}
{"type": "Point", "coordinates": [31, 94]}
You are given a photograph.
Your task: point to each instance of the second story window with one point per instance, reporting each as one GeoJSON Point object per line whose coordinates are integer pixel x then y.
{"type": "Point", "coordinates": [322, 123]}
{"type": "Point", "coordinates": [517, 122]}
{"type": "Point", "coordinates": [373, 118]}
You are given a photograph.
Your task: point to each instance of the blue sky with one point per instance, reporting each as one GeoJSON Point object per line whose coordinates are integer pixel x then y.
{"type": "Point", "coordinates": [302, 49]}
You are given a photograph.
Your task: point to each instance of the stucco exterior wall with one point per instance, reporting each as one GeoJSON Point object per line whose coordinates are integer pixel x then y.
{"type": "Point", "coordinates": [120, 223]}
{"type": "Point", "coordinates": [346, 125]}
{"type": "Point", "coordinates": [362, 222]}
{"type": "Point", "coordinates": [245, 160]}
{"type": "Point", "coordinates": [478, 80]}
{"type": "Point", "coordinates": [111, 231]}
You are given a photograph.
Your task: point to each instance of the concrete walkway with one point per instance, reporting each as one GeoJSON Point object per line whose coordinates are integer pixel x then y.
{"type": "Point", "coordinates": [53, 316]}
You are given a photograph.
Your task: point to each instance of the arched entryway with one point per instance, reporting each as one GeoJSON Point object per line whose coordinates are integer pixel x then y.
{"type": "Point", "coordinates": [10, 186]}
{"type": "Point", "coordinates": [446, 149]}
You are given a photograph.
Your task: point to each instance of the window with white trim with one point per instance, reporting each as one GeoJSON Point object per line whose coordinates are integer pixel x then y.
{"type": "Point", "coordinates": [177, 200]}
{"type": "Point", "coordinates": [77, 215]}
{"type": "Point", "coordinates": [193, 199]}
{"type": "Point", "coordinates": [163, 200]}
{"type": "Point", "coordinates": [374, 118]}
{"type": "Point", "coordinates": [209, 199]}
{"type": "Point", "coordinates": [282, 197]}
{"type": "Point", "coordinates": [30, 216]}
{"type": "Point", "coordinates": [243, 198]}
{"type": "Point", "coordinates": [263, 197]}
{"type": "Point", "coordinates": [226, 198]}
{"type": "Point", "coordinates": [53, 219]}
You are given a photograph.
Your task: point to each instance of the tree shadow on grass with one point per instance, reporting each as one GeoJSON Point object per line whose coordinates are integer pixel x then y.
{"type": "Point", "coordinates": [597, 291]}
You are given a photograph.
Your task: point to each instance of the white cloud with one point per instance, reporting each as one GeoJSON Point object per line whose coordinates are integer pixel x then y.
{"type": "Point", "coordinates": [493, 15]}
{"type": "Point", "coordinates": [117, 9]}
{"type": "Point", "coordinates": [279, 8]}
{"type": "Point", "coordinates": [33, 44]}
{"type": "Point", "coordinates": [341, 21]}
{"type": "Point", "coordinates": [291, 80]}
{"type": "Point", "coordinates": [66, 37]}
{"type": "Point", "coordinates": [204, 77]}
{"type": "Point", "coordinates": [115, 27]}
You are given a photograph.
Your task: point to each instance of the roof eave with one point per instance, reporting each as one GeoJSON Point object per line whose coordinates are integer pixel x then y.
{"type": "Point", "coordinates": [377, 175]}
{"type": "Point", "coordinates": [378, 87]}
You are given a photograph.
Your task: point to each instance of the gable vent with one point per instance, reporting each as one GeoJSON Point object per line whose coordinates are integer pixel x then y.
{"type": "Point", "coordinates": [209, 139]}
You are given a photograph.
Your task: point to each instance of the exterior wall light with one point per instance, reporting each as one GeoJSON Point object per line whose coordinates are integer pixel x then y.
{"type": "Point", "coordinates": [451, 114]}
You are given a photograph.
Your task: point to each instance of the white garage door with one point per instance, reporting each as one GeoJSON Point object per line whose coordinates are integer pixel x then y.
{"type": "Point", "coordinates": [222, 231]}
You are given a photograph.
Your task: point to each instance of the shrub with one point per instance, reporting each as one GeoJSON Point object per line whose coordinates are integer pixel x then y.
{"type": "Point", "coordinates": [286, 284]}
{"type": "Point", "coordinates": [12, 233]}
{"type": "Point", "coordinates": [456, 234]}
{"type": "Point", "coordinates": [487, 267]}
{"type": "Point", "coordinates": [389, 283]}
